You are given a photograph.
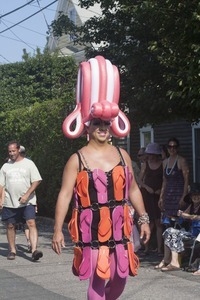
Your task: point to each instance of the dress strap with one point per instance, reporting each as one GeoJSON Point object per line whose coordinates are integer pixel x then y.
{"type": "Point", "coordinates": [121, 156]}
{"type": "Point", "coordinates": [80, 163]}
{"type": "Point", "coordinates": [84, 162]}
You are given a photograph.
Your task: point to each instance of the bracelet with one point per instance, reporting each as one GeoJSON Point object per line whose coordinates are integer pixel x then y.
{"type": "Point", "coordinates": [143, 219]}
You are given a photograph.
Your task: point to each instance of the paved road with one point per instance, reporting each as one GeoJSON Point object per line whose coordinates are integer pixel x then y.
{"type": "Point", "coordinates": [51, 277]}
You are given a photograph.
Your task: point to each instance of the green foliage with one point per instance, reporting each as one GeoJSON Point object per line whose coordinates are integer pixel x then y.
{"type": "Point", "coordinates": [39, 129]}
{"type": "Point", "coordinates": [37, 79]}
{"type": "Point", "coordinates": [35, 97]}
{"type": "Point", "coordinates": [155, 44]}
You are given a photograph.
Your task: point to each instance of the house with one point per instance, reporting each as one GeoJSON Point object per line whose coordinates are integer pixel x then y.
{"type": "Point", "coordinates": [187, 133]}
{"type": "Point", "coordinates": [65, 43]}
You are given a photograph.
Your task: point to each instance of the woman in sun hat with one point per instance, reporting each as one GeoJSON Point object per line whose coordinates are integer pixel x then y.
{"type": "Point", "coordinates": [151, 182]}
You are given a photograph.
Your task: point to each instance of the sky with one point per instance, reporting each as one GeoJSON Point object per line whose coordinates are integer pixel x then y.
{"type": "Point", "coordinates": [30, 34]}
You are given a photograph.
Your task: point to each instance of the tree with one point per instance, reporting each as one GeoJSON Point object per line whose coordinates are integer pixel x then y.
{"type": "Point", "coordinates": [35, 97]}
{"type": "Point", "coordinates": [156, 46]}
{"type": "Point", "coordinates": [36, 79]}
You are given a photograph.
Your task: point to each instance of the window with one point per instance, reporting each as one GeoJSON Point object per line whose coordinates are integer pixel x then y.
{"type": "Point", "coordinates": [146, 135]}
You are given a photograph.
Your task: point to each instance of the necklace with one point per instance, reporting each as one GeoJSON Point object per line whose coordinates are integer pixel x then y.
{"type": "Point", "coordinates": [168, 170]}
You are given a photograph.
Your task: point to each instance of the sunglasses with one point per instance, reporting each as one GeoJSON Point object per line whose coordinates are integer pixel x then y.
{"type": "Point", "coordinates": [172, 146]}
{"type": "Point", "coordinates": [101, 123]}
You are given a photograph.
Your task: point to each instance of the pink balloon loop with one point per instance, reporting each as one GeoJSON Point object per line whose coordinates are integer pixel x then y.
{"type": "Point", "coordinates": [74, 119]}
{"type": "Point", "coordinates": [120, 126]}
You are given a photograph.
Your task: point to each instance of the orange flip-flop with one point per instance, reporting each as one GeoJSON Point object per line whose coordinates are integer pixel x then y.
{"type": "Point", "coordinates": [129, 177]}
{"type": "Point", "coordinates": [82, 184]}
{"type": "Point", "coordinates": [105, 225]}
{"type": "Point", "coordinates": [133, 260]}
{"type": "Point", "coordinates": [73, 226]}
{"type": "Point", "coordinates": [128, 222]}
{"type": "Point", "coordinates": [77, 260]}
{"type": "Point", "coordinates": [103, 263]}
{"type": "Point", "coordinates": [119, 182]}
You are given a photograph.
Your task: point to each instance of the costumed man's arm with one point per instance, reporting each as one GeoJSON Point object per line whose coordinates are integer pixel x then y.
{"type": "Point", "coordinates": [63, 201]}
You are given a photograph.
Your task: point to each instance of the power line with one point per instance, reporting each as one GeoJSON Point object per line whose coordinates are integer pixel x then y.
{"type": "Point", "coordinates": [28, 17]}
{"type": "Point", "coordinates": [17, 40]}
{"type": "Point", "coordinates": [5, 58]}
{"type": "Point", "coordinates": [10, 12]}
{"type": "Point", "coordinates": [18, 37]}
{"type": "Point", "coordinates": [43, 15]}
{"type": "Point", "coordinates": [27, 28]}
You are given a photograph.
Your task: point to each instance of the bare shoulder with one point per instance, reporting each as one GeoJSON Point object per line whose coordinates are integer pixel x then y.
{"type": "Point", "coordinates": [182, 163]}
{"type": "Point", "coordinates": [181, 159]}
{"type": "Point", "coordinates": [72, 162]}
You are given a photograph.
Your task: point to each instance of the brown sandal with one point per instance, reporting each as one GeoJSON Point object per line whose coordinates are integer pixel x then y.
{"type": "Point", "coordinates": [170, 267]}
{"type": "Point", "coordinates": [11, 256]}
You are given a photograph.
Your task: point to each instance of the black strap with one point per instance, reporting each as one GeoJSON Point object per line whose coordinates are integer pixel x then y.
{"type": "Point", "coordinates": [79, 161]}
{"type": "Point", "coordinates": [121, 156]}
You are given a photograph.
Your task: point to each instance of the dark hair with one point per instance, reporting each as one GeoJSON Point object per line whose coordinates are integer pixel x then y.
{"type": "Point", "coordinates": [173, 139]}
{"type": "Point", "coordinates": [14, 142]}
{"type": "Point", "coordinates": [195, 188]}
{"type": "Point", "coordinates": [164, 149]}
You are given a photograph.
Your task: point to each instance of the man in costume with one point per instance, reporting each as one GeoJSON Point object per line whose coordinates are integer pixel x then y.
{"type": "Point", "coordinates": [100, 179]}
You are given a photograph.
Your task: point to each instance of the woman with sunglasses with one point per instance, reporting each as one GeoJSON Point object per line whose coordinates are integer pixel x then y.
{"type": "Point", "coordinates": [175, 182]}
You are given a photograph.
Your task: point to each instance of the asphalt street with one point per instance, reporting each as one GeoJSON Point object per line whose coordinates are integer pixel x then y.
{"type": "Point", "coordinates": [51, 277]}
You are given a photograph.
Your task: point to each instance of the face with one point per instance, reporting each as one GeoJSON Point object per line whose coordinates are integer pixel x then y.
{"type": "Point", "coordinates": [195, 198]}
{"type": "Point", "coordinates": [13, 152]}
{"type": "Point", "coordinates": [100, 129]}
{"type": "Point", "coordinates": [172, 147]}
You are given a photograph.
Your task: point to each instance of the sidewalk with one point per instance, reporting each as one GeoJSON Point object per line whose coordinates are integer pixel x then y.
{"type": "Point", "coordinates": [51, 278]}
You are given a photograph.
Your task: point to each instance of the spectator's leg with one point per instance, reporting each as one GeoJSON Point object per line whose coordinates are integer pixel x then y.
{"type": "Point", "coordinates": [11, 238]}
{"type": "Point", "coordinates": [33, 234]}
{"type": "Point", "coordinates": [175, 259]}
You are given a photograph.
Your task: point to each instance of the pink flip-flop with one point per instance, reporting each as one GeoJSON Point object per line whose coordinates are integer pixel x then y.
{"type": "Point", "coordinates": [122, 261]}
{"type": "Point", "coordinates": [85, 225]}
{"type": "Point", "coordinates": [100, 183]}
{"type": "Point", "coordinates": [117, 217]}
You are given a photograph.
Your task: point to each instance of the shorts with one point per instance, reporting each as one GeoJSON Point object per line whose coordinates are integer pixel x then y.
{"type": "Point", "coordinates": [18, 215]}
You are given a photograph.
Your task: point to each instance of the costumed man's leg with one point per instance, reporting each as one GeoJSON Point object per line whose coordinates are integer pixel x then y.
{"type": "Point", "coordinates": [116, 284]}
{"type": "Point", "coordinates": [96, 289]}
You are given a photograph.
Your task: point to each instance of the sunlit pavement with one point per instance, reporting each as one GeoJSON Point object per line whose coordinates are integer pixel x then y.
{"type": "Point", "coordinates": [51, 277]}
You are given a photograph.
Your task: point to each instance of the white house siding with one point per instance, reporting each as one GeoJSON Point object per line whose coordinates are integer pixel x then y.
{"type": "Point", "coordinates": [64, 44]}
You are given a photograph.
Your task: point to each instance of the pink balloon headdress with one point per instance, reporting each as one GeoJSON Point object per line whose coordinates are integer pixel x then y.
{"type": "Point", "coordinates": [97, 96]}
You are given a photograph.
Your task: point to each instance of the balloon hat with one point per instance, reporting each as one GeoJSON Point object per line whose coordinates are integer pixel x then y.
{"type": "Point", "coordinates": [97, 96]}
